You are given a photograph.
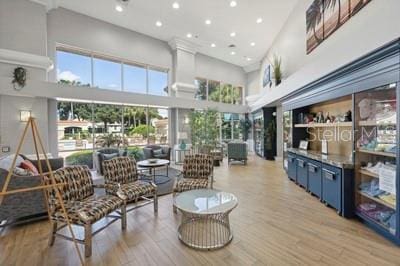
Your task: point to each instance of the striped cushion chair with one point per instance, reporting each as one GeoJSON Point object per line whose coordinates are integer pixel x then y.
{"type": "Point", "coordinates": [197, 173]}
{"type": "Point", "coordinates": [83, 207]}
{"type": "Point", "coordinates": [121, 179]}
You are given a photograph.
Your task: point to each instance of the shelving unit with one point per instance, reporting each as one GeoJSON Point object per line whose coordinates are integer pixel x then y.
{"type": "Point", "coordinates": [378, 153]}
{"type": "Point", "coordinates": [372, 132]}
{"type": "Point", "coordinates": [322, 125]}
{"type": "Point", "coordinates": [368, 173]}
{"type": "Point", "coordinates": [374, 124]}
{"type": "Point", "coordinates": [378, 200]}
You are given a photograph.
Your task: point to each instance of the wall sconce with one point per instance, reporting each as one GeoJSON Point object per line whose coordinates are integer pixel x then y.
{"type": "Point", "coordinates": [24, 115]}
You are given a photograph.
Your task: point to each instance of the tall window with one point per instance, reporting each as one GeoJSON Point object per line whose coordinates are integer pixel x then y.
{"type": "Point", "coordinates": [231, 128]}
{"type": "Point", "coordinates": [201, 85]}
{"type": "Point", "coordinates": [74, 69]}
{"type": "Point", "coordinates": [218, 92]}
{"type": "Point", "coordinates": [237, 95]}
{"type": "Point", "coordinates": [86, 127]}
{"type": "Point", "coordinates": [135, 78]}
{"type": "Point", "coordinates": [106, 74]}
{"type": "Point", "coordinates": [82, 69]}
{"type": "Point", "coordinates": [226, 93]}
{"type": "Point", "coordinates": [158, 82]}
{"type": "Point", "coordinates": [214, 91]}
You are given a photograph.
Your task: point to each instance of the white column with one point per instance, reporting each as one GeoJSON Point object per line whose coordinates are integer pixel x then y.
{"type": "Point", "coordinates": [184, 68]}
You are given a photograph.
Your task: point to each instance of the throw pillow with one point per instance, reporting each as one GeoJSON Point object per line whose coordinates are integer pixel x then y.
{"type": "Point", "coordinates": [30, 167]}
{"type": "Point", "coordinates": [22, 172]}
{"type": "Point", "coordinates": [110, 156]}
{"type": "Point", "coordinates": [6, 162]}
{"type": "Point", "coordinates": [157, 152]}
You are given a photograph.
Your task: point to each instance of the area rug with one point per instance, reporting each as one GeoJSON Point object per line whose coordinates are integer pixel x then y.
{"type": "Point", "coordinates": [164, 185]}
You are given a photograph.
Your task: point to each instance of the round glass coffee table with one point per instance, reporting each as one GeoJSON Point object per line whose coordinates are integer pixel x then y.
{"type": "Point", "coordinates": [152, 165]}
{"type": "Point", "coordinates": [205, 218]}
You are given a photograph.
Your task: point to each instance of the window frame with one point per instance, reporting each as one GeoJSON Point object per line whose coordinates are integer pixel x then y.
{"type": "Point", "coordinates": [221, 83]}
{"type": "Point", "coordinates": [122, 62]}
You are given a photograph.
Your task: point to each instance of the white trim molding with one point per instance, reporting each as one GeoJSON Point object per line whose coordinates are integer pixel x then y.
{"type": "Point", "coordinates": [252, 67]}
{"type": "Point", "coordinates": [49, 4]}
{"type": "Point", "coordinates": [185, 87]}
{"type": "Point", "coordinates": [180, 44]}
{"type": "Point", "coordinates": [25, 59]}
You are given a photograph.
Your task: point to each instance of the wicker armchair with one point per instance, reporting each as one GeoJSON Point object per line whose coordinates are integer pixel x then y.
{"type": "Point", "coordinates": [197, 173]}
{"type": "Point", "coordinates": [82, 206]}
{"type": "Point", "coordinates": [121, 178]}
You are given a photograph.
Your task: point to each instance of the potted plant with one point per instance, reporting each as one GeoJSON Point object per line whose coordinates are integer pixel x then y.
{"type": "Point", "coordinates": [276, 66]}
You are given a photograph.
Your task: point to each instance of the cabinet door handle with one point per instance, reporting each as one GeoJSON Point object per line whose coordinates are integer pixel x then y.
{"type": "Point", "coordinates": [329, 174]}
{"type": "Point", "coordinates": [312, 168]}
{"type": "Point", "coordinates": [300, 163]}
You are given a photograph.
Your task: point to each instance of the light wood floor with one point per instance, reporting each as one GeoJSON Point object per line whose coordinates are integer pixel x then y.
{"type": "Point", "coordinates": [276, 223]}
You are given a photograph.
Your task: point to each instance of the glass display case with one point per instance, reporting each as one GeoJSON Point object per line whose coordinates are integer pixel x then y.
{"type": "Point", "coordinates": [376, 150]}
{"type": "Point", "coordinates": [287, 136]}
{"type": "Point", "coordinates": [258, 127]}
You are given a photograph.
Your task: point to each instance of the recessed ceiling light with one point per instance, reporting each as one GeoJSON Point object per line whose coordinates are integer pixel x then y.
{"type": "Point", "coordinates": [158, 23]}
{"type": "Point", "coordinates": [253, 44]}
{"type": "Point", "coordinates": [119, 8]}
{"type": "Point", "coordinates": [189, 35]}
{"type": "Point", "coordinates": [213, 45]}
{"type": "Point", "coordinates": [259, 20]}
{"type": "Point", "coordinates": [248, 59]}
{"type": "Point", "coordinates": [233, 3]}
{"type": "Point", "coordinates": [233, 53]}
{"type": "Point", "coordinates": [175, 5]}
{"type": "Point", "coordinates": [233, 34]}
{"type": "Point", "coordinates": [208, 22]}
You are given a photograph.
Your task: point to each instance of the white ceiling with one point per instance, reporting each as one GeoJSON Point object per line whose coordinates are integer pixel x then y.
{"type": "Point", "coordinates": [141, 16]}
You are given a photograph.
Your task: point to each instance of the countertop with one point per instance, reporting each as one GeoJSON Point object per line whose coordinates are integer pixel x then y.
{"type": "Point", "coordinates": [332, 159]}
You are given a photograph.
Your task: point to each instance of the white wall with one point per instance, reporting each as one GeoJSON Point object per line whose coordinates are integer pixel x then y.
{"type": "Point", "coordinates": [214, 69]}
{"type": "Point", "coordinates": [22, 29]}
{"type": "Point", "coordinates": [253, 82]}
{"type": "Point", "coordinates": [23, 26]}
{"type": "Point", "coordinates": [10, 126]}
{"type": "Point", "coordinates": [373, 26]}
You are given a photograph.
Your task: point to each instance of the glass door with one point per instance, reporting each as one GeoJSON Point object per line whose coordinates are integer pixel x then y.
{"type": "Point", "coordinates": [287, 136]}
{"type": "Point", "coordinates": [259, 134]}
{"type": "Point", "coordinates": [375, 156]}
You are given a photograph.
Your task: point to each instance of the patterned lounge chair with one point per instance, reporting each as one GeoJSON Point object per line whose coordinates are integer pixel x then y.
{"type": "Point", "coordinates": [197, 173]}
{"type": "Point", "coordinates": [82, 206]}
{"type": "Point", "coordinates": [121, 179]}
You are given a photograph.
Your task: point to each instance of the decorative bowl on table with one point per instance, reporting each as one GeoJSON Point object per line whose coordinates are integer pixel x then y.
{"type": "Point", "coordinates": [153, 160]}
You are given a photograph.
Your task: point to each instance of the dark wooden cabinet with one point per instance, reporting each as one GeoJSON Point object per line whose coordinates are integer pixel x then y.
{"type": "Point", "coordinates": [292, 171]}
{"type": "Point", "coordinates": [315, 178]}
{"type": "Point", "coordinates": [332, 186]}
{"type": "Point", "coordinates": [302, 173]}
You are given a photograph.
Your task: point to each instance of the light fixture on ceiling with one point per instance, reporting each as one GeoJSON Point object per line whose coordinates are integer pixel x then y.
{"type": "Point", "coordinates": [213, 45]}
{"type": "Point", "coordinates": [233, 53]}
{"type": "Point", "coordinates": [233, 34]}
{"type": "Point", "coordinates": [233, 3]}
{"type": "Point", "coordinates": [121, 4]}
{"type": "Point", "coordinates": [259, 20]}
{"type": "Point", "coordinates": [175, 5]}
{"type": "Point", "coordinates": [253, 44]}
{"type": "Point", "coordinates": [208, 22]}
{"type": "Point", "coordinates": [248, 58]}
{"type": "Point", "coordinates": [189, 35]}
{"type": "Point", "coordinates": [158, 23]}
